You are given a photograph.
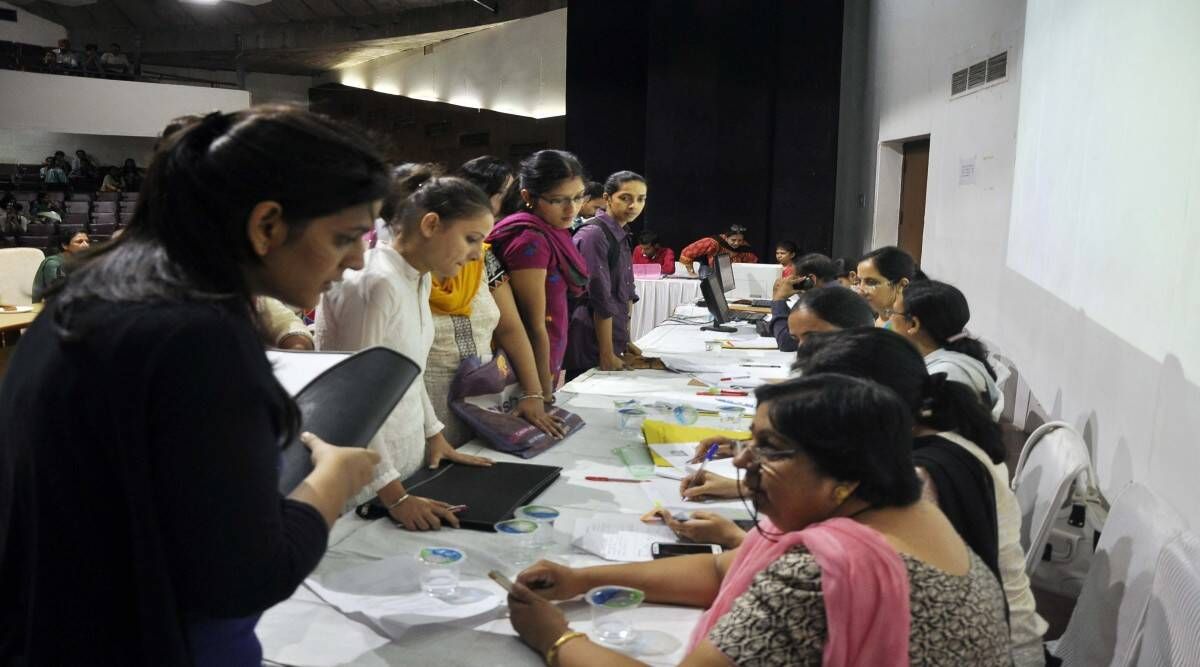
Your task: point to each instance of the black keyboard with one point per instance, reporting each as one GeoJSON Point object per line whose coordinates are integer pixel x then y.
{"type": "Point", "coordinates": [743, 316]}
{"type": "Point", "coordinates": [761, 303]}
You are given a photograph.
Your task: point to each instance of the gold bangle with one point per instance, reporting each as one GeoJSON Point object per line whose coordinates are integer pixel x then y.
{"type": "Point", "coordinates": [567, 636]}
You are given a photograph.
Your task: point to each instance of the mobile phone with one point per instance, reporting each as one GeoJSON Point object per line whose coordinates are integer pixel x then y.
{"type": "Point", "coordinates": [803, 284]}
{"type": "Point", "coordinates": [669, 549]}
{"type": "Point", "coordinates": [504, 581]}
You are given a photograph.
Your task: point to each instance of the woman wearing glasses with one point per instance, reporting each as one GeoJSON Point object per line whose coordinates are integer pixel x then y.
{"type": "Point", "coordinates": [536, 248]}
{"type": "Point", "coordinates": [848, 566]}
{"type": "Point", "coordinates": [882, 275]}
{"type": "Point", "coordinates": [707, 248]}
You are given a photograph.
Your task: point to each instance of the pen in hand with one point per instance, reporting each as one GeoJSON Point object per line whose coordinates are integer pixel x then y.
{"type": "Point", "coordinates": [708, 456]}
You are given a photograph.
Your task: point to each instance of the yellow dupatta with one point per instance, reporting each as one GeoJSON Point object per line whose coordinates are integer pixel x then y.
{"type": "Point", "coordinates": [453, 296]}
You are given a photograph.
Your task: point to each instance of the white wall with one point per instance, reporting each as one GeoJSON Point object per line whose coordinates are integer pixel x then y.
{"type": "Point", "coordinates": [263, 88]}
{"type": "Point", "coordinates": [1135, 397]}
{"type": "Point", "coordinates": [53, 103]}
{"type": "Point", "coordinates": [30, 29]}
{"type": "Point", "coordinates": [32, 146]}
{"type": "Point", "coordinates": [518, 67]}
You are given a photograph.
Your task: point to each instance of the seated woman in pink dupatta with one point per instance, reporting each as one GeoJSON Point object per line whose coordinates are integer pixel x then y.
{"type": "Point", "coordinates": [849, 567]}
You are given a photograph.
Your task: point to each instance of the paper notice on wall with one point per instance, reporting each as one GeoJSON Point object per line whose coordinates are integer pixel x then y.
{"type": "Point", "coordinates": [966, 170]}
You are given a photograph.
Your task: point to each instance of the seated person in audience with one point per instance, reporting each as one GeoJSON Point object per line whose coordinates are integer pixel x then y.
{"type": "Point", "coordinates": [439, 225]}
{"type": "Point", "coordinates": [50, 59]}
{"type": "Point", "coordinates": [480, 298]}
{"type": "Point", "coordinates": [131, 176]}
{"type": "Point", "coordinates": [785, 254]}
{"type": "Point", "coordinates": [847, 274]}
{"type": "Point", "coordinates": [599, 333]}
{"type": "Point", "coordinates": [44, 207]}
{"type": "Point", "coordinates": [706, 249]}
{"type": "Point", "coordinates": [649, 251]}
{"type": "Point", "coordinates": [54, 267]}
{"type": "Point", "coordinates": [595, 202]}
{"type": "Point", "coordinates": [933, 316]}
{"type": "Point", "coordinates": [112, 181]}
{"type": "Point", "coordinates": [7, 199]}
{"type": "Point", "coordinates": [535, 247]}
{"type": "Point", "coordinates": [882, 274]}
{"type": "Point", "coordinates": [830, 469]}
{"type": "Point", "coordinates": [281, 326]}
{"type": "Point", "coordinates": [808, 272]}
{"type": "Point", "coordinates": [53, 172]}
{"type": "Point", "coordinates": [114, 61]}
{"type": "Point", "coordinates": [183, 539]}
{"type": "Point", "coordinates": [15, 220]}
{"type": "Point", "coordinates": [91, 60]}
{"type": "Point", "coordinates": [828, 308]}
{"type": "Point", "coordinates": [83, 165]}
{"type": "Point", "coordinates": [65, 57]}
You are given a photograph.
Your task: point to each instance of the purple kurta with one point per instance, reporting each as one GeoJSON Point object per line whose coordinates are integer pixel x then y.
{"type": "Point", "coordinates": [609, 292]}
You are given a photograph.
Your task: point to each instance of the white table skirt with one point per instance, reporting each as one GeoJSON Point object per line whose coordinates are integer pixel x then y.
{"type": "Point", "coordinates": [657, 300]}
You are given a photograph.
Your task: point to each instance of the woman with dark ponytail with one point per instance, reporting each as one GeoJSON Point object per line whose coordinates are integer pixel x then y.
{"type": "Point", "coordinates": [145, 528]}
{"type": "Point", "coordinates": [933, 316]}
{"type": "Point", "coordinates": [438, 225]}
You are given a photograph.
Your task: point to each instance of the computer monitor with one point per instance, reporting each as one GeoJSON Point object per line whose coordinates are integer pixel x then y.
{"type": "Point", "coordinates": [714, 299]}
{"type": "Point", "coordinates": [725, 272]}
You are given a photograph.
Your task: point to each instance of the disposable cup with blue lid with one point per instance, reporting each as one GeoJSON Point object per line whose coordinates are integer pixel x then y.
{"type": "Point", "coordinates": [612, 613]}
{"type": "Point", "coordinates": [518, 536]}
{"type": "Point", "coordinates": [439, 571]}
{"type": "Point", "coordinates": [630, 420]}
{"type": "Point", "coordinates": [544, 516]}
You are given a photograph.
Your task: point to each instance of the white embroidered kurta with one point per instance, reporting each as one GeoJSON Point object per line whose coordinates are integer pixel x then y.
{"type": "Point", "coordinates": [387, 303]}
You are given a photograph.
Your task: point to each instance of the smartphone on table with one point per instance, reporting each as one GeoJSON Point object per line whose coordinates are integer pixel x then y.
{"type": "Point", "coordinates": [669, 549]}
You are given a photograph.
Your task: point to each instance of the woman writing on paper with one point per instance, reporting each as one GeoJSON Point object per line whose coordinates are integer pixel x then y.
{"type": "Point", "coordinates": [146, 528]}
{"type": "Point", "coordinates": [830, 468]}
{"type": "Point", "coordinates": [438, 226]}
{"type": "Point", "coordinates": [474, 310]}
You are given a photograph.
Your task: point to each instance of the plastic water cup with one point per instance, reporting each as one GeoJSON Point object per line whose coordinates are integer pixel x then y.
{"type": "Point", "coordinates": [439, 571]}
{"type": "Point", "coordinates": [518, 537]}
{"type": "Point", "coordinates": [637, 460]}
{"type": "Point", "coordinates": [685, 414]}
{"type": "Point", "coordinates": [631, 419]}
{"type": "Point", "coordinates": [731, 415]}
{"type": "Point", "coordinates": [612, 608]}
{"type": "Point", "coordinates": [713, 345]}
{"type": "Point", "coordinates": [543, 516]}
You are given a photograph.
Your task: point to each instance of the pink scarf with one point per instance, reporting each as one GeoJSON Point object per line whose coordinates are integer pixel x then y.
{"type": "Point", "coordinates": [863, 580]}
{"type": "Point", "coordinates": [572, 264]}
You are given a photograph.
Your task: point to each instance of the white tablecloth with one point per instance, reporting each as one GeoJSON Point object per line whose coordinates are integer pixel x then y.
{"type": "Point", "coordinates": [657, 300]}
{"type": "Point", "coordinates": [306, 631]}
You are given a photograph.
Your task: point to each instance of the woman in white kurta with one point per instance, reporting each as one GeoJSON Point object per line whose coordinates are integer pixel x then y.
{"type": "Point", "coordinates": [438, 228]}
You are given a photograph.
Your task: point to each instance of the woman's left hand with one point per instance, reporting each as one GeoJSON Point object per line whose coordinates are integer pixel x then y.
{"type": "Point", "coordinates": [441, 450]}
{"type": "Point", "coordinates": [536, 619]}
{"type": "Point", "coordinates": [533, 410]}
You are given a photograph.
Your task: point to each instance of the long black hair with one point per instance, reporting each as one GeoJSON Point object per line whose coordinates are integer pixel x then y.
{"type": "Point", "coordinates": [892, 263]}
{"type": "Point", "coordinates": [187, 238]}
{"type": "Point", "coordinates": [887, 358]}
{"type": "Point", "coordinates": [836, 305]}
{"type": "Point", "coordinates": [943, 312]}
{"type": "Point", "coordinates": [488, 172]}
{"type": "Point", "coordinates": [544, 169]}
{"type": "Point", "coordinates": [420, 190]}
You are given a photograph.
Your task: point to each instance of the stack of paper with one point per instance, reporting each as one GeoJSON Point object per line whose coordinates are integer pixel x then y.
{"type": "Point", "coordinates": [619, 537]}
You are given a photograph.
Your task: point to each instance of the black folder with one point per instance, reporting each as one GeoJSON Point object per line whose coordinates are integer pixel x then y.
{"type": "Point", "coordinates": [346, 404]}
{"type": "Point", "coordinates": [491, 494]}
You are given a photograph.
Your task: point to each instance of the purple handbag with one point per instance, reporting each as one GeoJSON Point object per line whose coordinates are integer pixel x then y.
{"type": "Point", "coordinates": [484, 395]}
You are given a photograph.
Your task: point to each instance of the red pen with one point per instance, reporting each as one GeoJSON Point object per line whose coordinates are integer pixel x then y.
{"type": "Point", "coordinates": [597, 478]}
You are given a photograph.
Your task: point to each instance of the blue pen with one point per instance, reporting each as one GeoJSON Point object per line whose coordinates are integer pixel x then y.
{"type": "Point", "coordinates": [708, 456]}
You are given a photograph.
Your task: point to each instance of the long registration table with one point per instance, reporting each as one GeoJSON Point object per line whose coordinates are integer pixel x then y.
{"type": "Point", "coordinates": [306, 630]}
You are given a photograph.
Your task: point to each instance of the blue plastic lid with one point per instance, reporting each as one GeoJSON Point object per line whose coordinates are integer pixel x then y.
{"type": "Point", "coordinates": [538, 512]}
{"type": "Point", "coordinates": [440, 555]}
{"type": "Point", "coordinates": [615, 597]}
{"type": "Point", "coordinates": [516, 526]}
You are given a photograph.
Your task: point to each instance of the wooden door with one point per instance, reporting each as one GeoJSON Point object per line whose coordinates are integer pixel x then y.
{"type": "Point", "coordinates": [914, 176]}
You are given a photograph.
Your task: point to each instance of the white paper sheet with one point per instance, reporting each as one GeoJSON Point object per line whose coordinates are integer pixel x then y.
{"type": "Point", "coordinates": [305, 632]}
{"type": "Point", "coordinates": [619, 537]}
{"type": "Point", "coordinates": [295, 370]}
{"type": "Point", "coordinates": [665, 492]}
{"type": "Point", "coordinates": [676, 453]}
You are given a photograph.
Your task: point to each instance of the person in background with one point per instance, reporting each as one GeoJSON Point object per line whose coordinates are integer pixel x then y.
{"type": "Point", "coordinates": [706, 249]}
{"type": "Point", "coordinates": [480, 300]}
{"type": "Point", "coordinates": [847, 275]}
{"type": "Point", "coordinates": [599, 331]}
{"type": "Point", "coordinates": [178, 419]}
{"type": "Point", "coordinates": [52, 171]}
{"type": "Point", "coordinates": [83, 165]}
{"type": "Point", "coordinates": [44, 207]}
{"type": "Point", "coordinates": [828, 308]}
{"type": "Point", "coordinates": [933, 316]}
{"type": "Point", "coordinates": [114, 61]}
{"type": "Point", "coordinates": [594, 202]}
{"type": "Point", "coordinates": [785, 255]}
{"type": "Point", "coordinates": [7, 199]}
{"type": "Point", "coordinates": [882, 275]}
{"type": "Point", "coordinates": [50, 60]}
{"type": "Point", "coordinates": [112, 181]}
{"type": "Point", "coordinates": [54, 267]}
{"type": "Point", "coordinates": [281, 326]}
{"type": "Point", "coordinates": [91, 60]}
{"type": "Point", "coordinates": [848, 566]}
{"type": "Point", "coordinates": [438, 225]}
{"type": "Point", "coordinates": [808, 272]}
{"type": "Point", "coordinates": [65, 57]}
{"type": "Point", "coordinates": [131, 175]}
{"type": "Point", "coordinates": [535, 247]}
{"type": "Point", "coordinates": [648, 251]}
{"type": "Point", "coordinates": [15, 221]}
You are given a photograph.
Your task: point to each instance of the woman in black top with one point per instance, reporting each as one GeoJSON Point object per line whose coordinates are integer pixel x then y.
{"type": "Point", "coordinates": [139, 518]}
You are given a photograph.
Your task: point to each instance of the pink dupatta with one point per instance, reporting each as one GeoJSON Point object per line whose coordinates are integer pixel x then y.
{"type": "Point", "coordinates": [863, 580]}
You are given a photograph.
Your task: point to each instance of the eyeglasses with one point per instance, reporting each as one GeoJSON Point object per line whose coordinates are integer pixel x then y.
{"type": "Point", "coordinates": [564, 201]}
{"type": "Point", "coordinates": [760, 454]}
{"type": "Point", "coordinates": [870, 284]}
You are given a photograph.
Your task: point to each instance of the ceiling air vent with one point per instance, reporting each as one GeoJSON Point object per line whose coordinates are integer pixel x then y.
{"type": "Point", "coordinates": [979, 75]}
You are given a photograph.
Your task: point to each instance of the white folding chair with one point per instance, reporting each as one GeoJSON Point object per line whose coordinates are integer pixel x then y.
{"type": "Point", "coordinates": [1053, 459]}
{"type": "Point", "coordinates": [1110, 606]}
{"type": "Point", "coordinates": [1168, 634]}
{"type": "Point", "coordinates": [17, 267]}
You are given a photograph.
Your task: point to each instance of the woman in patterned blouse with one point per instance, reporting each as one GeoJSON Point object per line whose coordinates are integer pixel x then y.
{"type": "Point", "coordinates": [848, 566]}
